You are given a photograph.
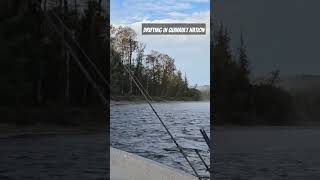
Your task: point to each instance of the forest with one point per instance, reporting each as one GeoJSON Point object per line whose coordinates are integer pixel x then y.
{"type": "Point", "coordinates": [236, 97]}
{"type": "Point", "coordinates": [38, 73]}
{"type": "Point", "coordinates": [42, 43]}
{"type": "Point", "coordinates": [155, 70]}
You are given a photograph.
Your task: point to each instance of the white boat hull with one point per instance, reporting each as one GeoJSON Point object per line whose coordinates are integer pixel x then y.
{"type": "Point", "coordinates": [127, 166]}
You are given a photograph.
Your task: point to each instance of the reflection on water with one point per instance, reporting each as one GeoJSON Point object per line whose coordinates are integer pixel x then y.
{"type": "Point", "coordinates": [135, 129]}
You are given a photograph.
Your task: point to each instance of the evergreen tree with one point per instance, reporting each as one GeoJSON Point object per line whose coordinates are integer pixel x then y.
{"type": "Point", "coordinates": [243, 60]}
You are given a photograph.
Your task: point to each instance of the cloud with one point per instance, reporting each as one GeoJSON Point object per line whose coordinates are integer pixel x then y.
{"type": "Point", "coordinates": [176, 14]}
{"type": "Point", "coordinates": [196, 17]}
{"type": "Point", "coordinates": [187, 50]}
{"type": "Point", "coordinates": [124, 11]}
{"type": "Point", "coordinates": [156, 5]}
{"type": "Point", "coordinates": [196, 1]}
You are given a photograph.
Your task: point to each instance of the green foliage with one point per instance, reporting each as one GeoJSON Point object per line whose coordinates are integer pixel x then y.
{"type": "Point", "coordinates": [156, 71]}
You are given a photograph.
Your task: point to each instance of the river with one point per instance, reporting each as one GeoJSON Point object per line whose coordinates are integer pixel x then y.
{"type": "Point", "coordinates": [134, 128]}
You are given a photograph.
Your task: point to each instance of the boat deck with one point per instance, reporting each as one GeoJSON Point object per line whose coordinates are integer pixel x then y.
{"type": "Point", "coordinates": [125, 166]}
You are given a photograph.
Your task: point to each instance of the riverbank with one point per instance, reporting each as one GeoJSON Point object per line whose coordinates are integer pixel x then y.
{"type": "Point", "coordinates": [155, 98]}
{"type": "Point", "coordinates": [269, 152]}
{"type": "Point", "coordinates": [125, 100]}
{"type": "Point", "coordinates": [114, 103]}
{"type": "Point", "coordinates": [80, 117]}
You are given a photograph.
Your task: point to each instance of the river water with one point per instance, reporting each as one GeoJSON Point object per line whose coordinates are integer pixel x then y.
{"type": "Point", "coordinates": [135, 129]}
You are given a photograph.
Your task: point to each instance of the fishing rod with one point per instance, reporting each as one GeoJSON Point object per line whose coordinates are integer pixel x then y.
{"type": "Point", "coordinates": [87, 57]}
{"type": "Point", "coordinates": [163, 124]}
{"type": "Point", "coordinates": [75, 57]}
{"type": "Point", "coordinates": [205, 137]}
{"type": "Point", "coordinates": [82, 68]}
{"type": "Point", "coordinates": [148, 98]}
{"type": "Point", "coordinates": [142, 90]}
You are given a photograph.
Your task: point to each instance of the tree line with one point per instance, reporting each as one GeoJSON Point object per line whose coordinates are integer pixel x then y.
{"type": "Point", "coordinates": [236, 98]}
{"type": "Point", "coordinates": [155, 70]}
{"type": "Point", "coordinates": [37, 69]}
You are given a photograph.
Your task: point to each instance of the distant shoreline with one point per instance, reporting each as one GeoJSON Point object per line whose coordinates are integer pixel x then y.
{"type": "Point", "coordinates": [124, 102]}
{"type": "Point", "coordinates": [157, 99]}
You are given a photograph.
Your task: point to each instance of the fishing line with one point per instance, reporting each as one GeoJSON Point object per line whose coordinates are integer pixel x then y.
{"type": "Point", "coordinates": [142, 90]}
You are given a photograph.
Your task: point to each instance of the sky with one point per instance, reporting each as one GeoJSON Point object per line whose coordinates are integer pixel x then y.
{"type": "Point", "coordinates": [279, 34]}
{"type": "Point", "coordinates": [191, 52]}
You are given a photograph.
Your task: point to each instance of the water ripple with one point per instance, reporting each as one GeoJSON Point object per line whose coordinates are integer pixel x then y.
{"type": "Point", "coordinates": [135, 129]}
